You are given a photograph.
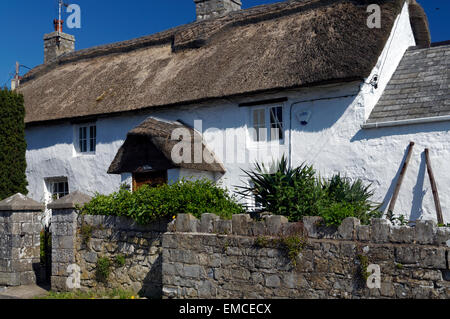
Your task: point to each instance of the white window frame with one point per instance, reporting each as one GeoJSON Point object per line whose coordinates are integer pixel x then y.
{"type": "Point", "coordinates": [49, 185]}
{"type": "Point", "coordinates": [88, 139]}
{"type": "Point", "coordinates": [267, 110]}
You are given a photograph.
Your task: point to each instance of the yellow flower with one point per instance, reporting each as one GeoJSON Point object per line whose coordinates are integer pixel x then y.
{"type": "Point", "coordinates": [132, 297]}
{"type": "Point", "coordinates": [173, 217]}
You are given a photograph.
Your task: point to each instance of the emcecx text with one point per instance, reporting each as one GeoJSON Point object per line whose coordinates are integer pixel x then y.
{"type": "Point", "coordinates": [246, 308]}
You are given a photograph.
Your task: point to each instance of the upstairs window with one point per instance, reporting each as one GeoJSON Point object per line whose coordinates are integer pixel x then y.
{"type": "Point", "coordinates": [268, 124]}
{"type": "Point", "coordinates": [87, 138]}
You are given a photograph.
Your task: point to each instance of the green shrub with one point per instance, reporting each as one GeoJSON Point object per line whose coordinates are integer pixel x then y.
{"type": "Point", "coordinates": [86, 233]}
{"type": "Point", "coordinates": [291, 192]}
{"type": "Point", "coordinates": [12, 144]}
{"type": "Point", "coordinates": [103, 269]}
{"type": "Point", "coordinates": [120, 260]}
{"type": "Point", "coordinates": [396, 220]}
{"type": "Point", "coordinates": [363, 261]}
{"type": "Point", "coordinates": [346, 198]}
{"type": "Point", "coordinates": [297, 192]}
{"type": "Point", "coordinates": [148, 204]}
{"type": "Point", "coordinates": [43, 253]}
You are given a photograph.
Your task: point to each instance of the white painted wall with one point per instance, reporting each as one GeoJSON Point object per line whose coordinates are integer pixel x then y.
{"type": "Point", "coordinates": [333, 141]}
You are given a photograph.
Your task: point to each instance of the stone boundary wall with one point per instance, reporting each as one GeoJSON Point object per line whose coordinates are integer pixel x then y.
{"type": "Point", "coordinates": [134, 252]}
{"type": "Point", "coordinates": [242, 258]}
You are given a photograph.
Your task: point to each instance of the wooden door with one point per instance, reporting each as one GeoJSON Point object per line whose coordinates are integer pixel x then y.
{"type": "Point", "coordinates": [150, 178]}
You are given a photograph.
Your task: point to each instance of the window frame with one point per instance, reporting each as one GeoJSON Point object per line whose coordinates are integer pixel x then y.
{"type": "Point", "coordinates": [268, 124]}
{"type": "Point", "coordinates": [51, 182]}
{"type": "Point", "coordinates": [88, 138]}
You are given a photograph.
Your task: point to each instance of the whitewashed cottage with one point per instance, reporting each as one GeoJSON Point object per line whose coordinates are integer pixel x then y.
{"type": "Point", "coordinates": [309, 76]}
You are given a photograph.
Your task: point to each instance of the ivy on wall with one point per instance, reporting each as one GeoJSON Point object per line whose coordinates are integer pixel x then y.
{"type": "Point", "coordinates": [12, 144]}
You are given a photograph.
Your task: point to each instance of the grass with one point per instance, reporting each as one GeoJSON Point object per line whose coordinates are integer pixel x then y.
{"type": "Point", "coordinates": [78, 294]}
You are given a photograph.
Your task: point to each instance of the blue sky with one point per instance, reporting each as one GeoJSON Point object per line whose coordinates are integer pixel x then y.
{"type": "Point", "coordinates": [24, 22]}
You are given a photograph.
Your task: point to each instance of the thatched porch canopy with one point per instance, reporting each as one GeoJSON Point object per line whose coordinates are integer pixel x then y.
{"type": "Point", "coordinates": [149, 147]}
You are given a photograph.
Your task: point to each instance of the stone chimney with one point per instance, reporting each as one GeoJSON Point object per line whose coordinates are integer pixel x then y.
{"type": "Point", "coordinates": [213, 8]}
{"type": "Point", "coordinates": [57, 43]}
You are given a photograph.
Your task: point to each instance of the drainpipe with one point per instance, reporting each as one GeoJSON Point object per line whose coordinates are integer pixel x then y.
{"type": "Point", "coordinates": [422, 120]}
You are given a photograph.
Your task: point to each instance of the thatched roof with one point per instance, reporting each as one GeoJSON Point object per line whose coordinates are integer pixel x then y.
{"type": "Point", "coordinates": [419, 23]}
{"type": "Point", "coordinates": [149, 146]}
{"type": "Point", "coordinates": [283, 45]}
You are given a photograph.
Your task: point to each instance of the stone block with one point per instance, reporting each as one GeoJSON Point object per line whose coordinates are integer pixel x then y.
{"type": "Point", "coordinates": [407, 254]}
{"type": "Point", "coordinates": [223, 227]}
{"type": "Point", "coordinates": [186, 223]}
{"type": "Point", "coordinates": [433, 258]}
{"type": "Point", "coordinates": [170, 292]}
{"type": "Point", "coordinates": [21, 265]}
{"type": "Point", "coordinates": [273, 281]}
{"type": "Point", "coordinates": [168, 269]}
{"type": "Point", "coordinates": [347, 230]}
{"type": "Point", "coordinates": [207, 223]}
{"type": "Point", "coordinates": [380, 230]}
{"type": "Point", "coordinates": [59, 283]}
{"type": "Point", "coordinates": [63, 255]}
{"type": "Point", "coordinates": [192, 271]}
{"type": "Point", "coordinates": [65, 242]}
{"type": "Point", "coordinates": [241, 224]}
{"type": "Point", "coordinates": [274, 224]}
{"type": "Point", "coordinates": [402, 234]}
{"type": "Point", "coordinates": [20, 241]}
{"type": "Point", "coordinates": [91, 257]}
{"type": "Point", "coordinates": [443, 236]}
{"type": "Point", "coordinates": [27, 278]}
{"type": "Point", "coordinates": [425, 231]}
{"type": "Point", "coordinates": [169, 241]}
{"type": "Point", "coordinates": [312, 224]}
{"type": "Point", "coordinates": [207, 290]}
{"type": "Point", "coordinates": [258, 228]}
{"type": "Point", "coordinates": [363, 232]}
{"type": "Point", "coordinates": [9, 279]}
{"type": "Point", "coordinates": [65, 215]}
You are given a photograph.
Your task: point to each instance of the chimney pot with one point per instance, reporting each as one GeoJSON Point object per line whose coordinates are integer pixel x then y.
{"type": "Point", "coordinates": [58, 25]}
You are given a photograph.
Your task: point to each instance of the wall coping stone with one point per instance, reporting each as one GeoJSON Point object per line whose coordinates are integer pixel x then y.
{"type": "Point", "coordinates": [70, 201]}
{"type": "Point", "coordinates": [20, 202]}
{"type": "Point", "coordinates": [379, 231]}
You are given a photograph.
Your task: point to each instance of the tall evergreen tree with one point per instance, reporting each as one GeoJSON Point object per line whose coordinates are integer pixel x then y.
{"type": "Point", "coordinates": [12, 144]}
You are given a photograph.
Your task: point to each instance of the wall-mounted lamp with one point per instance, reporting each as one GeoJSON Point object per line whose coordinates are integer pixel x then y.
{"type": "Point", "coordinates": [304, 117]}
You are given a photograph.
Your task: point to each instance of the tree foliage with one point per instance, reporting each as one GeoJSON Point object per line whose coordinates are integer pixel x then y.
{"type": "Point", "coordinates": [12, 144]}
